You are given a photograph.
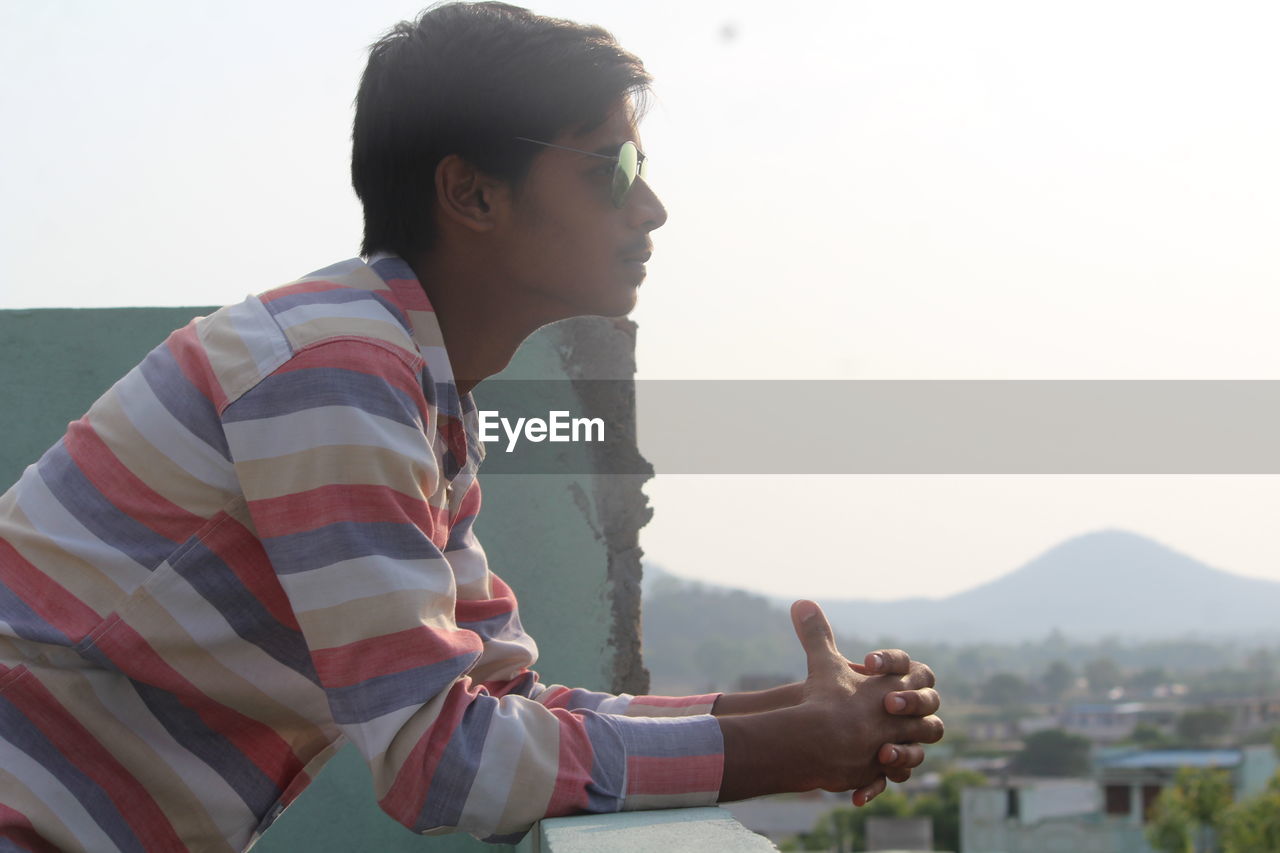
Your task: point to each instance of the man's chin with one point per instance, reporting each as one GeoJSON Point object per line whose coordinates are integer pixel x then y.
{"type": "Point", "coordinates": [619, 303]}
{"type": "Point", "coordinates": [625, 306]}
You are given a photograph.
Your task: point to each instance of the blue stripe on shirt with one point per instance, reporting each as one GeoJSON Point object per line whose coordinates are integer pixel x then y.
{"type": "Point", "coordinates": [71, 488]}
{"type": "Point", "coordinates": [382, 694]}
{"type": "Point", "coordinates": [347, 540]}
{"type": "Point", "coordinates": [180, 398]}
{"type": "Point", "coordinates": [244, 612]}
{"type": "Point", "coordinates": [459, 764]}
{"type": "Point", "coordinates": [284, 393]}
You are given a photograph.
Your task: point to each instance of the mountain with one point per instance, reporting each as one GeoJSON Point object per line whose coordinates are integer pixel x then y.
{"type": "Point", "coordinates": [1106, 583]}
{"type": "Point", "coordinates": [1072, 603]}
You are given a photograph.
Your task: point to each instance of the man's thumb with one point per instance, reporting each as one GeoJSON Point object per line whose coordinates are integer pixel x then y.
{"type": "Point", "coordinates": [814, 634]}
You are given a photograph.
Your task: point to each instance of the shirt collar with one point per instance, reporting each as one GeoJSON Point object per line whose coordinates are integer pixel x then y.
{"type": "Point", "coordinates": [410, 297]}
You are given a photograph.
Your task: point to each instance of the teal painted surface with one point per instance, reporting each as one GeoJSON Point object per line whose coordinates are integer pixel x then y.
{"type": "Point", "coordinates": [543, 538]}
{"type": "Point", "coordinates": [668, 831]}
{"type": "Point", "coordinates": [54, 362]}
{"type": "Point", "coordinates": [539, 531]}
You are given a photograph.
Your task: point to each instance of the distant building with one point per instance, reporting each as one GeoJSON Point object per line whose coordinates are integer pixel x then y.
{"type": "Point", "coordinates": [1105, 722]}
{"type": "Point", "coordinates": [1131, 781]}
{"type": "Point", "coordinates": [1250, 714]}
{"type": "Point", "coordinates": [1106, 814]}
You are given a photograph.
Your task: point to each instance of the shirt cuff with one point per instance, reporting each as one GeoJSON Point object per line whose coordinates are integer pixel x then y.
{"type": "Point", "coordinates": [672, 762]}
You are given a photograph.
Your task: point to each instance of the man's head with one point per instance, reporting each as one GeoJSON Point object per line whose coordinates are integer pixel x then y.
{"type": "Point", "coordinates": [469, 79]}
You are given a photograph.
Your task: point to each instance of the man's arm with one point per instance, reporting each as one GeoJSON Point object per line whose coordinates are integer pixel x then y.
{"type": "Point", "coordinates": [333, 455]}
{"type": "Point", "coordinates": [506, 650]}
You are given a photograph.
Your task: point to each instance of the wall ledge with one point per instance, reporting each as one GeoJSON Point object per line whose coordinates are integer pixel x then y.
{"type": "Point", "coordinates": [665, 830]}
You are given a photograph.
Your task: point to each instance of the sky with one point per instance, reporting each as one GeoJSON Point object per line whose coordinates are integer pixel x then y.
{"type": "Point", "coordinates": [856, 190]}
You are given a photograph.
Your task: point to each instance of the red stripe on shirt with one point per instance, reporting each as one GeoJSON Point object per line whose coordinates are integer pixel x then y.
{"type": "Point", "coordinates": [481, 609]}
{"type": "Point", "coordinates": [408, 792]}
{"type": "Point", "coordinates": [189, 353]}
{"type": "Point", "coordinates": [409, 293]}
{"type": "Point", "coordinates": [573, 773]}
{"type": "Point", "coordinates": [470, 504]}
{"type": "Point", "coordinates": [357, 662]}
{"type": "Point", "coordinates": [365, 503]}
{"type": "Point", "coordinates": [369, 356]}
{"type": "Point", "coordinates": [454, 432]}
{"type": "Point", "coordinates": [51, 601]}
{"type": "Point", "coordinates": [659, 775]}
{"type": "Point", "coordinates": [137, 808]}
{"type": "Point", "coordinates": [15, 827]}
{"type": "Point", "coordinates": [119, 485]}
{"type": "Point", "coordinates": [243, 553]}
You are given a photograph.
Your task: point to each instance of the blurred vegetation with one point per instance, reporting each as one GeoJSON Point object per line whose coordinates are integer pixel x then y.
{"type": "Point", "coordinates": [1254, 824]}
{"type": "Point", "coordinates": [1197, 815]}
{"type": "Point", "coordinates": [1203, 726]}
{"type": "Point", "coordinates": [845, 829]}
{"type": "Point", "coordinates": [1053, 753]}
{"type": "Point", "coordinates": [1188, 815]}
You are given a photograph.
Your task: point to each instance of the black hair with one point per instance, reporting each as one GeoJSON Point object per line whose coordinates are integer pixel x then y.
{"type": "Point", "coordinates": [466, 79]}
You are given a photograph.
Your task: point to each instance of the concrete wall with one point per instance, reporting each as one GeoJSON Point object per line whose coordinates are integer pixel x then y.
{"type": "Point", "coordinates": [566, 543]}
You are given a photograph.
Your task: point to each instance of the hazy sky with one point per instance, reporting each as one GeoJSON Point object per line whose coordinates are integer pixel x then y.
{"type": "Point", "coordinates": [856, 191]}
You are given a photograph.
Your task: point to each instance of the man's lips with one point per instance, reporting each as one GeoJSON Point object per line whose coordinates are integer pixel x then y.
{"type": "Point", "coordinates": [638, 254]}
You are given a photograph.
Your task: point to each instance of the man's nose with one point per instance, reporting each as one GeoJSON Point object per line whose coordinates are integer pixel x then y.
{"type": "Point", "coordinates": [644, 206]}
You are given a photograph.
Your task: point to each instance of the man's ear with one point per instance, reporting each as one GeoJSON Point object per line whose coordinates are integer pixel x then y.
{"type": "Point", "coordinates": [468, 196]}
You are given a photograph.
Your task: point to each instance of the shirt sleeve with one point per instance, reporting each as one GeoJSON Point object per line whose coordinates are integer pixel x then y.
{"type": "Point", "coordinates": [333, 454]}
{"type": "Point", "coordinates": [507, 648]}
{"type": "Point", "coordinates": [576, 699]}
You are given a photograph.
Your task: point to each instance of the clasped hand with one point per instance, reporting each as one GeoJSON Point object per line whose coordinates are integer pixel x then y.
{"type": "Point", "coordinates": [867, 721]}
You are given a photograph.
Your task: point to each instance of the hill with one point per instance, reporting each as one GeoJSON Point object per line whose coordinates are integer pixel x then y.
{"type": "Point", "coordinates": [1108, 583]}
{"type": "Point", "coordinates": [1104, 594]}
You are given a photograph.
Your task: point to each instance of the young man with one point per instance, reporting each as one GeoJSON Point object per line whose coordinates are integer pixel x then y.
{"type": "Point", "coordinates": [258, 544]}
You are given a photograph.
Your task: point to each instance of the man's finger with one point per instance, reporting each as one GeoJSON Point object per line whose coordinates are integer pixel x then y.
{"type": "Point", "coordinates": [814, 633]}
{"type": "Point", "coordinates": [898, 774]}
{"type": "Point", "coordinates": [913, 703]}
{"type": "Point", "coordinates": [885, 662]}
{"type": "Point", "coordinates": [900, 755]}
{"type": "Point", "coordinates": [862, 796]}
{"type": "Point", "coordinates": [921, 730]}
{"type": "Point", "coordinates": [921, 675]}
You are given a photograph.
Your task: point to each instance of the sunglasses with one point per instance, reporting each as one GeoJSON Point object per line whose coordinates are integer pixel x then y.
{"type": "Point", "coordinates": [629, 164]}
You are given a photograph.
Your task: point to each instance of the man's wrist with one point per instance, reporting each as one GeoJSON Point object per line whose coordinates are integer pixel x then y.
{"type": "Point", "coordinates": [759, 701]}
{"type": "Point", "coordinates": [760, 756]}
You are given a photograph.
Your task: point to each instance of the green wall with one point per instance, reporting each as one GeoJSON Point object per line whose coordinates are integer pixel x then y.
{"type": "Point", "coordinates": [565, 543]}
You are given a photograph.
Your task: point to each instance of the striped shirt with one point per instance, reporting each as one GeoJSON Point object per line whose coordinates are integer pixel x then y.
{"type": "Point", "coordinates": [257, 546]}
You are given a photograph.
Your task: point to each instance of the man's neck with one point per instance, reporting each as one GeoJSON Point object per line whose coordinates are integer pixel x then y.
{"type": "Point", "coordinates": [482, 318]}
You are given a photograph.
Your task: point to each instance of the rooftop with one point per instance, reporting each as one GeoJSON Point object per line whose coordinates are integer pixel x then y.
{"type": "Point", "coordinates": [1173, 758]}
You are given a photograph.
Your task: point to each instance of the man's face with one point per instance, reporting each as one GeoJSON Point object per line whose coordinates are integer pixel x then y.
{"type": "Point", "coordinates": [570, 245]}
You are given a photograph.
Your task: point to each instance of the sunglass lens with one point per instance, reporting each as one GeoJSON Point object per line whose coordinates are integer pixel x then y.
{"type": "Point", "coordinates": [625, 174]}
